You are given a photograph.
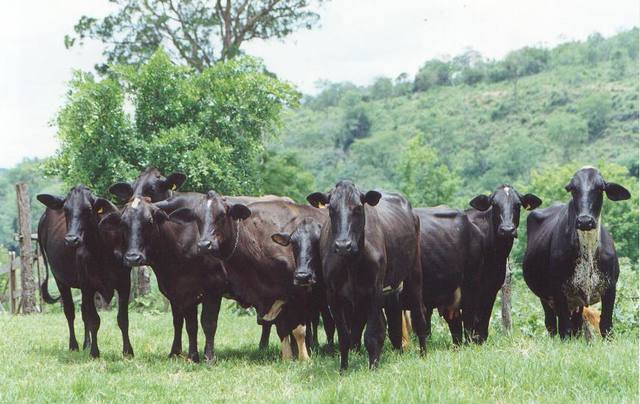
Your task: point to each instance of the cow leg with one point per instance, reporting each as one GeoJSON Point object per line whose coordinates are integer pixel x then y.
{"type": "Point", "coordinates": [455, 327]}
{"type": "Point", "coordinates": [264, 337]}
{"type": "Point", "coordinates": [358, 322]}
{"type": "Point", "coordinates": [564, 317]}
{"type": "Point", "coordinates": [123, 316]}
{"type": "Point", "coordinates": [418, 320]}
{"type": "Point", "coordinates": [606, 317]}
{"type": "Point", "coordinates": [315, 321]}
{"type": "Point", "coordinates": [209, 322]}
{"type": "Point", "coordinates": [468, 315]}
{"type": "Point", "coordinates": [285, 340]}
{"type": "Point", "coordinates": [86, 343]}
{"type": "Point", "coordinates": [428, 312]}
{"type": "Point", "coordinates": [299, 335]}
{"type": "Point", "coordinates": [91, 319]}
{"type": "Point", "coordinates": [374, 334]}
{"type": "Point", "coordinates": [393, 310]}
{"type": "Point", "coordinates": [191, 321]}
{"type": "Point", "coordinates": [329, 325]}
{"type": "Point", "coordinates": [70, 314]}
{"type": "Point", "coordinates": [550, 319]}
{"type": "Point", "coordinates": [178, 321]}
{"type": "Point", "coordinates": [576, 322]}
{"type": "Point", "coordinates": [344, 337]}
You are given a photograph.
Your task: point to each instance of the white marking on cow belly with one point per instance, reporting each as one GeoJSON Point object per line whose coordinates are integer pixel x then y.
{"type": "Point", "coordinates": [275, 309]}
{"type": "Point", "coordinates": [506, 190]}
{"type": "Point", "coordinates": [209, 204]}
{"type": "Point", "coordinates": [457, 294]}
{"type": "Point", "coordinates": [135, 203]}
{"type": "Point", "coordinates": [587, 283]}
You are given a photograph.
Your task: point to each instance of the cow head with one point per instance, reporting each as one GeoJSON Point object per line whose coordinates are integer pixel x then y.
{"type": "Point", "coordinates": [305, 242]}
{"type": "Point", "coordinates": [151, 184]}
{"type": "Point", "coordinates": [82, 212]}
{"type": "Point", "coordinates": [215, 217]}
{"type": "Point", "coordinates": [587, 187]}
{"type": "Point", "coordinates": [506, 202]}
{"type": "Point", "coordinates": [347, 215]}
{"type": "Point", "coordinates": [139, 223]}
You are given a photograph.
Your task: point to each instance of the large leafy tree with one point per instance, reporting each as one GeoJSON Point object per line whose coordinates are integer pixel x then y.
{"type": "Point", "coordinates": [195, 32]}
{"type": "Point", "coordinates": [209, 125]}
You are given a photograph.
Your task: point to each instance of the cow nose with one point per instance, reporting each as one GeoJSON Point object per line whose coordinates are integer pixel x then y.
{"type": "Point", "coordinates": [343, 247]}
{"type": "Point", "coordinates": [507, 230]}
{"type": "Point", "coordinates": [585, 222]}
{"type": "Point", "coordinates": [72, 240]}
{"type": "Point", "coordinates": [205, 245]}
{"type": "Point", "coordinates": [302, 278]}
{"type": "Point", "coordinates": [134, 258]}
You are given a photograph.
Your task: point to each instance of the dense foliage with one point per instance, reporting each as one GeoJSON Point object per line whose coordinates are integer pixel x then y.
{"type": "Point", "coordinates": [466, 125]}
{"type": "Point", "coordinates": [209, 125]}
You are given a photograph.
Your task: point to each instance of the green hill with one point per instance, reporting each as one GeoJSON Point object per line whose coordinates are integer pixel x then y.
{"type": "Point", "coordinates": [578, 107]}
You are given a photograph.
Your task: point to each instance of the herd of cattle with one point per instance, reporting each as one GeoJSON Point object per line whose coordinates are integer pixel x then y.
{"type": "Point", "coordinates": [356, 259]}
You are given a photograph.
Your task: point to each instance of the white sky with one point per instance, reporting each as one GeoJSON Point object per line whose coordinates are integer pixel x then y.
{"type": "Point", "coordinates": [357, 41]}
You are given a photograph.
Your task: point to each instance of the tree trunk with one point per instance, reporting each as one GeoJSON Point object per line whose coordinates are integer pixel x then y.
{"type": "Point", "coordinates": [506, 299]}
{"type": "Point", "coordinates": [26, 253]}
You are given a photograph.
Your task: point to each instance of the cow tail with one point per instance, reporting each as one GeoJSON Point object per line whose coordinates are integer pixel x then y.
{"type": "Point", "coordinates": [44, 288]}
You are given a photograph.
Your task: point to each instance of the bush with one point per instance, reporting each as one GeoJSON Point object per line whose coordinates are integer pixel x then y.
{"type": "Point", "coordinates": [595, 109]}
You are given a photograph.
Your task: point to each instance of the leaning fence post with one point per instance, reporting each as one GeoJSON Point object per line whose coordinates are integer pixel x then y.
{"type": "Point", "coordinates": [506, 299]}
{"type": "Point", "coordinates": [28, 300]}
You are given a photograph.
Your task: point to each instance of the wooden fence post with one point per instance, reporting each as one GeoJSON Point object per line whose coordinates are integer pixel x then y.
{"type": "Point", "coordinates": [28, 299]}
{"type": "Point", "coordinates": [506, 299]}
{"type": "Point", "coordinates": [12, 282]}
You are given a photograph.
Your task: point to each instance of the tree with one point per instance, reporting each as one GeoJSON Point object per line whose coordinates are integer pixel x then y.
{"type": "Point", "coordinates": [356, 124]}
{"type": "Point", "coordinates": [382, 88]}
{"type": "Point", "coordinates": [209, 125]}
{"type": "Point", "coordinates": [595, 109]}
{"type": "Point", "coordinates": [195, 32]}
{"type": "Point", "coordinates": [423, 178]}
{"type": "Point", "coordinates": [284, 176]}
{"type": "Point", "coordinates": [433, 73]}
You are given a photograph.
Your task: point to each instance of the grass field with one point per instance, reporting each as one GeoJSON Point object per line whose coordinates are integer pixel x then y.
{"type": "Point", "coordinates": [526, 366]}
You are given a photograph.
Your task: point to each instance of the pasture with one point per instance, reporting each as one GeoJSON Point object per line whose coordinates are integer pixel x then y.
{"type": "Point", "coordinates": [525, 366]}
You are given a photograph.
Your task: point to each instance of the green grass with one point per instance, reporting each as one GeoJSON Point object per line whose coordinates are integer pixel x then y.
{"type": "Point", "coordinates": [526, 366]}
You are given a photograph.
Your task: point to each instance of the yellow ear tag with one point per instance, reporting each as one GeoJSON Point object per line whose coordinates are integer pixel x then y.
{"type": "Point", "coordinates": [173, 187]}
{"type": "Point", "coordinates": [321, 205]}
{"type": "Point", "coordinates": [100, 210]}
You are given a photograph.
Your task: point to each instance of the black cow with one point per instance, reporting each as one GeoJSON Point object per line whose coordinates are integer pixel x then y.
{"type": "Point", "coordinates": [571, 262]}
{"type": "Point", "coordinates": [496, 218]}
{"type": "Point", "coordinates": [82, 257]}
{"type": "Point", "coordinates": [184, 277]}
{"type": "Point", "coordinates": [304, 238]}
{"type": "Point", "coordinates": [370, 246]}
{"type": "Point", "coordinates": [449, 247]}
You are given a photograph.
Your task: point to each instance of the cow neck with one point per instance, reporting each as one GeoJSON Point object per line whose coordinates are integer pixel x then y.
{"type": "Point", "coordinates": [231, 245]}
{"type": "Point", "coordinates": [572, 230]}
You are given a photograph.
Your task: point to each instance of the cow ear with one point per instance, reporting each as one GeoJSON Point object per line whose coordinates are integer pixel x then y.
{"type": "Point", "coordinates": [123, 190]}
{"type": "Point", "coordinates": [318, 199]}
{"type": "Point", "coordinates": [102, 207]}
{"type": "Point", "coordinates": [239, 211]}
{"type": "Point", "coordinates": [568, 187]}
{"type": "Point", "coordinates": [51, 201]}
{"type": "Point", "coordinates": [616, 192]}
{"type": "Point", "coordinates": [182, 216]}
{"type": "Point", "coordinates": [110, 222]}
{"type": "Point", "coordinates": [481, 202]}
{"type": "Point", "coordinates": [281, 238]}
{"type": "Point", "coordinates": [160, 216]}
{"type": "Point", "coordinates": [175, 180]}
{"type": "Point", "coordinates": [530, 201]}
{"type": "Point", "coordinates": [371, 197]}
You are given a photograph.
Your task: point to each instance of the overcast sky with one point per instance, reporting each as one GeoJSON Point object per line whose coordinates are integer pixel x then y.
{"type": "Point", "coordinates": [357, 41]}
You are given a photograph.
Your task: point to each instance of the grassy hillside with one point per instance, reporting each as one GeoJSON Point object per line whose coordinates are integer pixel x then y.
{"type": "Point", "coordinates": [486, 133]}
{"type": "Point", "coordinates": [523, 367]}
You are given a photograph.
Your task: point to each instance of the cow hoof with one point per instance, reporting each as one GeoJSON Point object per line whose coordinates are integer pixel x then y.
{"type": "Point", "coordinates": [194, 357]}
{"type": "Point", "coordinates": [210, 360]}
{"type": "Point", "coordinates": [74, 347]}
{"type": "Point", "coordinates": [128, 353]}
{"type": "Point", "coordinates": [95, 354]}
{"type": "Point", "coordinates": [175, 354]}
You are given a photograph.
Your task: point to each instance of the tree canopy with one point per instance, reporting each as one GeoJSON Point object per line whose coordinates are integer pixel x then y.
{"type": "Point", "coordinates": [209, 125]}
{"type": "Point", "coordinates": [195, 32]}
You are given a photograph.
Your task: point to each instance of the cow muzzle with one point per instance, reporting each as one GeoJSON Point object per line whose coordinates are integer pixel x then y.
{"type": "Point", "coordinates": [507, 230]}
{"type": "Point", "coordinates": [208, 246]}
{"type": "Point", "coordinates": [303, 279]}
{"type": "Point", "coordinates": [344, 247]}
{"type": "Point", "coordinates": [585, 223]}
{"type": "Point", "coordinates": [72, 240]}
{"type": "Point", "coordinates": [134, 259]}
